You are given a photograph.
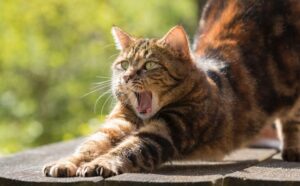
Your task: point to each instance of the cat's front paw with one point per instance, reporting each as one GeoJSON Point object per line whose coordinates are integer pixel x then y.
{"type": "Point", "coordinates": [291, 154]}
{"type": "Point", "coordinates": [103, 166]}
{"type": "Point", "coordinates": [60, 169]}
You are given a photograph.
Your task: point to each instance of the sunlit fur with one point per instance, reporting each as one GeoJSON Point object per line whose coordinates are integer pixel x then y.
{"type": "Point", "coordinates": [244, 73]}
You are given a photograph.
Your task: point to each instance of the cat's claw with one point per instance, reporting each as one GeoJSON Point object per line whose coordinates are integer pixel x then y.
{"type": "Point", "coordinates": [99, 168]}
{"type": "Point", "coordinates": [60, 169]}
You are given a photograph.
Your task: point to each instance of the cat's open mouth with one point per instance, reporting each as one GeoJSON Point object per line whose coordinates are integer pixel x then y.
{"type": "Point", "coordinates": [144, 100]}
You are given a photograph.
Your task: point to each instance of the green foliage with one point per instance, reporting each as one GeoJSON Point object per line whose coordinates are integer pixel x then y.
{"type": "Point", "coordinates": [50, 53]}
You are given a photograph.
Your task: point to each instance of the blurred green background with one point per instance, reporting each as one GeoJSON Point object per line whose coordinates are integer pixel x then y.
{"type": "Point", "coordinates": [52, 51]}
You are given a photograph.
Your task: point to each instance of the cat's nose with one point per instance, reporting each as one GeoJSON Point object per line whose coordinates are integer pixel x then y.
{"type": "Point", "coordinates": [128, 77]}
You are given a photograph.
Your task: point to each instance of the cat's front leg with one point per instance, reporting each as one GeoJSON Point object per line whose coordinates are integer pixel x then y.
{"type": "Point", "coordinates": [291, 134]}
{"type": "Point", "coordinates": [99, 143]}
{"type": "Point", "coordinates": [143, 151]}
{"type": "Point", "coordinates": [291, 140]}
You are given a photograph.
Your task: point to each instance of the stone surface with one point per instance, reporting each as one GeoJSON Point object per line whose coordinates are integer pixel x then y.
{"type": "Point", "coordinates": [26, 168]}
{"type": "Point", "coordinates": [243, 167]}
{"type": "Point", "coordinates": [195, 171]}
{"type": "Point", "coordinates": [274, 171]}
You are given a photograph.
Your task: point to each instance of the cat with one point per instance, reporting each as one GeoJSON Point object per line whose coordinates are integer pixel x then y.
{"type": "Point", "coordinates": [173, 103]}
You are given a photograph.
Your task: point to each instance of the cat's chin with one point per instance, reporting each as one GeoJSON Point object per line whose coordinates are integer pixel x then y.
{"type": "Point", "coordinates": [144, 116]}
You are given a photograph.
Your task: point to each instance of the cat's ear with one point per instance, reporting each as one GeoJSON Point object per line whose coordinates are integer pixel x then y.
{"type": "Point", "coordinates": [122, 39]}
{"type": "Point", "coordinates": [177, 40]}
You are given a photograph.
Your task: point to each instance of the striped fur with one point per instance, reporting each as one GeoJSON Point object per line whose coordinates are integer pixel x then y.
{"type": "Point", "coordinates": [243, 74]}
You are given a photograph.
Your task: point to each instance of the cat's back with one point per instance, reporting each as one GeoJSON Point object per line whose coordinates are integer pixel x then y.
{"type": "Point", "coordinates": [242, 20]}
{"type": "Point", "coordinates": [260, 42]}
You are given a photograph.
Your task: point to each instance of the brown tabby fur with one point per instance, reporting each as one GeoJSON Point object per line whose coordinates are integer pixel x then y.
{"type": "Point", "coordinates": [244, 74]}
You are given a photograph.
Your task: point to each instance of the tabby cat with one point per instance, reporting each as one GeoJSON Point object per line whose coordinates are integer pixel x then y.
{"type": "Point", "coordinates": [243, 74]}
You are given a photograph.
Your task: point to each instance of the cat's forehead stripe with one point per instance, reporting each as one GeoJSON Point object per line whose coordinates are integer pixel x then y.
{"type": "Point", "coordinates": [141, 50]}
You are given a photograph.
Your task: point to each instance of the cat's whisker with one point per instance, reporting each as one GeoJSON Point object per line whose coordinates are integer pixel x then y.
{"type": "Point", "coordinates": [108, 45]}
{"type": "Point", "coordinates": [100, 83]}
{"type": "Point", "coordinates": [113, 55]}
{"type": "Point", "coordinates": [113, 102]}
{"type": "Point", "coordinates": [103, 77]}
{"type": "Point", "coordinates": [101, 86]}
{"type": "Point", "coordinates": [97, 89]}
{"type": "Point", "coordinates": [103, 105]}
{"type": "Point", "coordinates": [104, 83]}
{"type": "Point", "coordinates": [103, 94]}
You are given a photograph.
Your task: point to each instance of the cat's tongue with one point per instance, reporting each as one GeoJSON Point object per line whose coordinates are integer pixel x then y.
{"type": "Point", "coordinates": [144, 102]}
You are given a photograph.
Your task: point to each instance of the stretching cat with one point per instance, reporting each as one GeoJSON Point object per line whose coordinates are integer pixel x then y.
{"type": "Point", "coordinates": [243, 74]}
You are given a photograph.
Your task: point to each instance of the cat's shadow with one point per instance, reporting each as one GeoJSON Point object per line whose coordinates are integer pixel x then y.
{"type": "Point", "coordinates": [278, 163]}
{"type": "Point", "coordinates": [204, 168]}
{"type": "Point", "coordinates": [198, 168]}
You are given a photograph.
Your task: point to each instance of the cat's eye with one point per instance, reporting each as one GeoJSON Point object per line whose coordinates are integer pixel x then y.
{"type": "Point", "coordinates": [124, 65]}
{"type": "Point", "coordinates": [150, 65]}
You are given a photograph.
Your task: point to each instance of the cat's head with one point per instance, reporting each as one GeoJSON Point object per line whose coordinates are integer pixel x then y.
{"type": "Point", "coordinates": [147, 72]}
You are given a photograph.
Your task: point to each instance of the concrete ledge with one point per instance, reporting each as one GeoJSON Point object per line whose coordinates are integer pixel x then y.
{"type": "Point", "coordinates": [243, 167]}
{"type": "Point", "coordinates": [271, 172]}
{"type": "Point", "coordinates": [195, 172]}
{"type": "Point", "coordinates": [25, 168]}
